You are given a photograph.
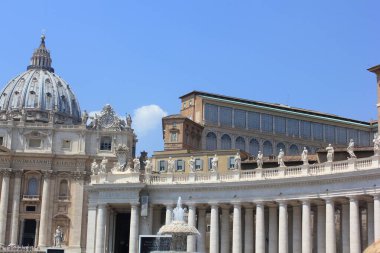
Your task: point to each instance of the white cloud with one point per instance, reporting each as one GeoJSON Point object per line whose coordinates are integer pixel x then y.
{"type": "Point", "coordinates": [146, 119]}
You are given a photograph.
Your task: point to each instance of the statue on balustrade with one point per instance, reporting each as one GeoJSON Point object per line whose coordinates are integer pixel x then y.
{"type": "Point", "coordinates": [214, 163]}
{"type": "Point", "coordinates": [280, 158]}
{"type": "Point", "coordinates": [237, 161]}
{"type": "Point", "coordinates": [148, 166]}
{"type": "Point", "coordinates": [170, 165]}
{"type": "Point", "coordinates": [350, 149]}
{"type": "Point", "coordinates": [259, 160]}
{"type": "Point", "coordinates": [58, 237]}
{"type": "Point", "coordinates": [94, 167]}
{"type": "Point", "coordinates": [192, 164]}
{"type": "Point", "coordinates": [304, 157]}
{"type": "Point", "coordinates": [103, 166]}
{"type": "Point", "coordinates": [84, 117]}
{"type": "Point", "coordinates": [376, 144]}
{"type": "Point", "coordinates": [136, 164]}
{"type": "Point", "coordinates": [330, 153]}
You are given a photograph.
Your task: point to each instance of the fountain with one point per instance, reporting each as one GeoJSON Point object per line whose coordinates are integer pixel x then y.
{"type": "Point", "coordinates": [178, 229]}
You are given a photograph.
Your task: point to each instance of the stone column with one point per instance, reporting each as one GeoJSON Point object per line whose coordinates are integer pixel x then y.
{"type": "Point", "coordinates": [306, 227]}
{"type": "Point", "coordinates": [44, 217]}
{"type": "Point", "coordinates": [37, 233]}
{"type": "Point", "coordinates": [201, 244]}
{"type": "Point", "coordinates": [134, 229]}
{"type": "Point", "coordinates": [260, 228]}
{"type": "Point", "coordinates": [345, 228]}
{"type": "Point", "coordinates": [370, 226]}
{"type": "Point", "coordinates": [169, 214]}
{"type": "Point", "coordinates": [273, 230]}
{"type": "Point", "coordinates": [191, 239]}
{"type": "Point", "coordinates": [225, 230]}
{"type": "Point", "coordinates": [248, 233]}
{"type": "Point", "coordinates": [21, 231]}
{"type": "Point", "coordinates": [101, 228]}
{"type": "Point", "coordinates": [15, 207]}
{"type": "Point", "coordinates": [321, 229]}
{"type": "Point", "coordinates": [330, 226]}
{"type": "Point", "coordinates": [76, 211]}
{"type": "Point", "coordinates": [283, 228]}
{"type": "Point", "coordinates": [236, 230]}
{"type": "Point", "coordinates": [214, 230]}
{"type": "Point", "coordinates": [297, 229]}
{"type": "Point", "coordinates": [376, 218]}
{"type": "Point", "coordinates": [4, 204]}
{"type": "Point", "coordinates": [355, 246]}
{"type": "Point", "coordinates": [91, 228]}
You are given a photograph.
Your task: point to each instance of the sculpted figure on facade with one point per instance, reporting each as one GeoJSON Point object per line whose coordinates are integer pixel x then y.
{"type": "Point", "coordinates": [148, 166]}
{"type": "Point", "coordinates": [170, 165]}
{"type": "Point", "coordinates": [214, 163]}
{"type": "Point", "coordinates": [237, 161]}
{"type": "Point", "coordinates": [58, 237]}
{"type": "Point", "coordinates": [280, 158]}
{"type": "Point", "coordinates": [259, 159]}
{"type": "Point", "coordinates": [84, 117]}
{"type": "Point", "coordinates": [136, 164]}
{"type": "Point", "coordinates": [304, 156]}
{"type": "Point", "coordinates": [94, 167]}
{"type": "Point", "coordinates": [376, 144]}
{"type": "Point", "coordinates": [192, 164]}
{"type": "Point", "coordinates": [330, 153]}
{"type": "Point", "coordinates": [103, 166]}
{"type": "Point", "coordinates": [129, 121]}
{"type": "Point", "coordinates": [350, 149]}
{"type": "Point", "coordinates": [121, 152]}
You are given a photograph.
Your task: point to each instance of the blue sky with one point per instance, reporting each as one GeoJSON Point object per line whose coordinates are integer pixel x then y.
{"type": "Point", "coordinates": [308, 54]}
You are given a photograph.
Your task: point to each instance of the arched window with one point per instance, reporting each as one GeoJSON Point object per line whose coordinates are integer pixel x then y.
{"type": "Point", "coordinates": [267, 148]}
{"type": "Point", "coordinates": [254, 147]}
{"type": "Point", "coordinates": [293, 150]}
{"type": "Point", "coordinates": [32, 186]}
{"type": "Point", "coordinates": [240, 143]}
{"type": "Point", "coordinates": [226, 141]}
{"type": "Point", "coordinates": [210, 141]}
{"type": "Point", "coordinates": [63, 188]}
{"type": "Point", "coordinates": [280, 146]}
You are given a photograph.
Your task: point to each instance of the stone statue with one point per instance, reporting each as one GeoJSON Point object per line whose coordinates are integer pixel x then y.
{"type": "Point", "coordinates": [95, 122]}
{"type": "Point", "coordinates": [84, 117]}
{"type": "Point", "coordinates": [330, 153]}
{"type": "Point", "coordinates": [192, 164]}
{"type": "Point", "coordinates": [136, 164]}
{"type": "Point", "coordinates": [214, 163]}
{"type": "Point", "coordinates": [280, 158]}
{"type": "Point", "coordinates": [103, 166]}
{"type": "Point", "coordinates": [58, 237]}
{"type": "Point", "coordinates": [376, 144]}
{"type": "Point", "coordinates": [304, 157]}
{"type": "Point", "coordinates": [148, 166]}
{"type": "Point", "coordinates": [170, 165]}
{"type": "Point", "coordinates": [94, 167]}
{"type": "Point", "coordinates": [129, 121]}
{"type": "Point", "coordinates": [350, 149]}
{"type": "Point", "coordinates": [260, 160]}
{"type": "Point", "coordinates": [237, 161]}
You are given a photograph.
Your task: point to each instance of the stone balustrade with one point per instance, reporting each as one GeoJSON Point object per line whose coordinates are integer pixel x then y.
{"type": "Point", "coordinates": [327, 168]}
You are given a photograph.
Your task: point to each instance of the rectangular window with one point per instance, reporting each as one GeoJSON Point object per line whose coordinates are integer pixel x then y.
{"type": "Point", "coordinates": [341, 135]}
{"type": "Point", "coordinates": [211, 113]}
{"type": "Point", "coordinates": [162, 165]}
{"type": "Point", "coordinates": [225, 116]}
{"type": "Point", "coordinates": [198, 164]}
{"type": "Point", "coordinates": [35, 143]}
{"type": "Point", "coordinates": [305, 129]}
{"type": "Point", "coordinates": [66, 144]}
{"type": "Point", "coordinates": [173, 137]}
{"type": "Point", "coordinates": [353, 134]}
{"type": "Point", "coordinates": [231, 162]}
{"type": "Point", "coordinates": [280, 125]}
{"type": "Point", "coordinates": [293, 127]}
{"type": "Point", "coordinates": [180, 165]}
{"type": "Point", "coordinates": [364, 139]}
{"type": "Point", "coordinates": [318, 132]}
{"type": "Point", "coordinates": [254, 120]}
{"type": "Point", "coordinates": [330, 134]}
{"type": "Point", "coordinates": [105, 143]}
{"type": "Point", "coordinates": [30, 208]}
{"type": "Point", "coordinates": [267, 123]}
{"type": "Point", "coordinates": [240, 118]}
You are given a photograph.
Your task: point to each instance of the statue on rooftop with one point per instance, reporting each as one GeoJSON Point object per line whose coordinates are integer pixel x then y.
{"type": "Point", "coordinates": [330, 153]}
{"type": "Point", "coordinates": [192, 164]}
{"type": "Point", "coordinates": [259, 160]}
{"type": "Point", "coordinates": [136, 164]}
{"type": "Point", "coordinates": [103, 166]}
{"type": "Point", "coordinates": [214, 163]}
{"type": "Point", "coordinates": [280, 158]}
{"type": "Point", "coordinates": [148, 166]}
{"type": "Point", "coordinates": [84, 117]}
{"type": "Point", "coordinates": [350, 149]}
{"type": "Point", "coordinates": [237, 161]}
{"type": "Point", "coordinates": [94, 167]}
{"type": "Point", "coordinates": [170, 165]}
{"type": "Point", "coordinates": [304, 157]}
{"type": "Point", "coordinates": [58, 237]}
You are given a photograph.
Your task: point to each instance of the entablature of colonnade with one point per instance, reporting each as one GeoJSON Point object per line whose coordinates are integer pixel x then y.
{"type": "Point", "coordinates": [330, 180]}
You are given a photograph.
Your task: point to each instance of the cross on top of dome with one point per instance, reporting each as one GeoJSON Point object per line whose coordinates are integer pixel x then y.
{"type": "Point", "coordinates": [41, 57]}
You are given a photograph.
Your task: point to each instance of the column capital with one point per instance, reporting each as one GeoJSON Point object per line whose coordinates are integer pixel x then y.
{"type": "Point", "coordinates": [282, 202]}
{"type": "Point", "coordinates": [6, 172]}
{"type": "Point", "coordinates": [18, 173]}
{"type": "Point", "coordinates": [214, 204]}
{"type": "Point", "coordinates": [236, 204]}
{"type": "Point", "coordinates": [329, 200]}
{"type": "Point", "coordinates": [135, 204]}
{"type": "Point", "coordinates": [305, 201]}
{"type": "Point", "coordinates": [47, 173]}
{"type": "Point", "coordinates": [169, 206]}
{"type": "Point", "coordinates": [376, 196]}
{"type": "Point", "coordinates": [259, 203]}
{"type": "Point", "coordinates": [353, 198]}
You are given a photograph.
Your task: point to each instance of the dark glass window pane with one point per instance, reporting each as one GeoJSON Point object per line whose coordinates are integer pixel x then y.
{"type": "Point", "coordinates": [211, 113]}
{"type": "Point", "coordinates": [280, 146]}
{"type": "Point", "coordinates": [254, 147]}
{"type": "Point", "coordinates": [267, 148]}
{"type": "Point", "coordinates": [267, 123]}
{"type": "Point", "coordinates": [240, 143]}
{"type": "Point", "coordinates": [280, 125]}
{"type": "Point", "coordinates": [353, 134]}
{"type": "Point", "coordinates": [318, 131]}
{"type": "Point", "coordinates": [341, 135]}
{"type": "Point", "coordinates": [305, 130]}
{"type": "Point", "coordinates": [293, 150]}
{"type": "Point", "coordinates": [239, 118]}
{"type": "Point", "coordinates": [293, 127]}
{"type": "Point", "coordinates": [330, 134]}
{"type": "Point", "coordinates": [254, 120]}
{"type": "Point", "coordinates": [226, 142]}
{"type": "Point", "coordinates": [364, 138]}
{"type": "Point", "coordinates": [211, 141]}
{"type": "Point", "coordinates": [225, 116]}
